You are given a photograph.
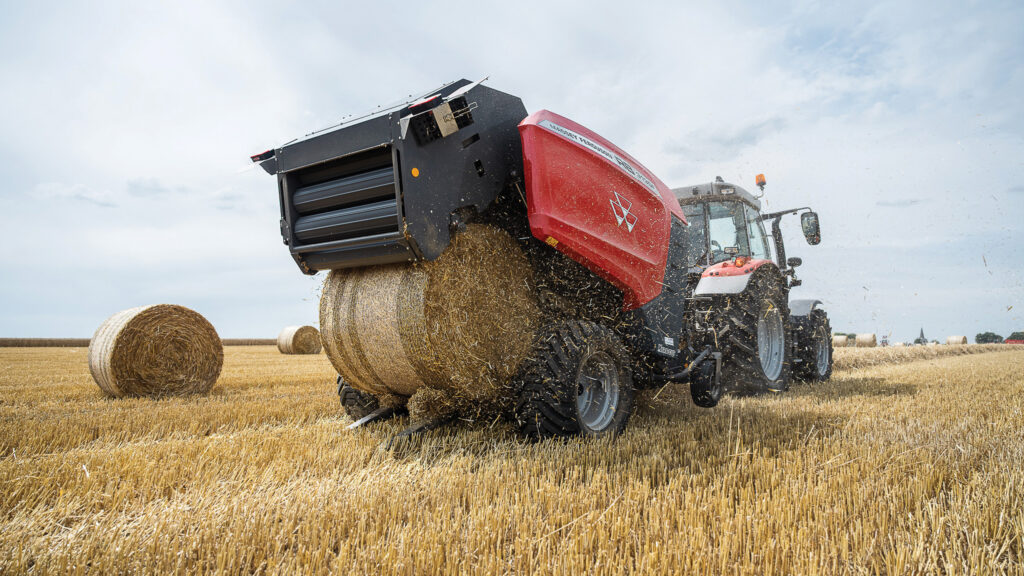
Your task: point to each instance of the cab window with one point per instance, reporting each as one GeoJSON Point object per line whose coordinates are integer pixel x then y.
{"type": "Point", "coordinates": [755, 229]}
{"type": "Point", "coordinates": [697, 235]}
{"type": "Point", "coordinates": [727, 229]}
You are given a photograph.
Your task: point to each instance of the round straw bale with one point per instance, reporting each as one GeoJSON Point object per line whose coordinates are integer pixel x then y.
{"type": "Point", "coordinates": [956, 340]}
{"type": "Point", "coordinates": [840, 341]}
{"type": "Point", "coordinates": [460, 324]}
{"type": "Point", "coordinates": [160, 350]}
{"type": "Point", "coordinates": [299, 340]}
{"type": "Point", "coordinates": [866, 341]}
{"type": "Point", "coordinates": [898, 345]}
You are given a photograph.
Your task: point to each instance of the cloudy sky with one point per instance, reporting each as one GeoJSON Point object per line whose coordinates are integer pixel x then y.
{"type": "Point", "coordinates": [126, 130]}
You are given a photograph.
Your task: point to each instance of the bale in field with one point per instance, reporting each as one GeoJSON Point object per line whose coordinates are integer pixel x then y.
{"type": "Point", "coordinates": [160, 350]}
{"type": "Point", "coordinates": [459, 325]}
{"type": "Point", "coordinates": [866, 341]}
{"type": "Point", "coordinates": [840, 341]}
{"type": "Point", "coordinates": [299, 340]}
{"type": "Point", "coordinates": [956, 341]}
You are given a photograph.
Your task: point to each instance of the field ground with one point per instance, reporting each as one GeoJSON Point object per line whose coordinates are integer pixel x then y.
{"type": "Point", "coordinates": [908, 468]}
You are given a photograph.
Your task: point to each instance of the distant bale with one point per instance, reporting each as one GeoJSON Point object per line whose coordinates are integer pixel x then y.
{"type": "Point", "coordinates": [956, 340]}
{"type": "Point", "coordinates": [161, 350]}
{"type": "Point", "coordinates": [899, 345]}
{"type": "Point", "coordinates": [299, 340]}
{"type": "Point", "coordinates": [866, 341]}
{"type": "Point", "coordinates": [840, 341]}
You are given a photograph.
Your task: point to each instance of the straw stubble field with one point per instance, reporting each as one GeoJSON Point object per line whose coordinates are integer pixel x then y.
{"type": "Point", "coordinates": [892, 468]}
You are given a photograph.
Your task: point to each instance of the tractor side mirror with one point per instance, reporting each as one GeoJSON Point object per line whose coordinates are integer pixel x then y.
{"type": "Point", "coordinates": [794, 262]}
{"type": "Point", "coordinates": [811, 228]}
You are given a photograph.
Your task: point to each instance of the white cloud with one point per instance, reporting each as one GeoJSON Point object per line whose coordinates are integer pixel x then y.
{"type": "Point", "coordinates": [127, 134]}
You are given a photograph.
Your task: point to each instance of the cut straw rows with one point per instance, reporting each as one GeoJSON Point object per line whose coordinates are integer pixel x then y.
{"type": "Point", "coordinates": [887, 470]}
{"type": "Point", "coordinates": [847, 358]}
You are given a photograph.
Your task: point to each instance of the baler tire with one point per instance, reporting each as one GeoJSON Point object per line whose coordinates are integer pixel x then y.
{"type": "Point", "coordinates": [550, 389]}
{"type": "Point", "coordinates": [742, 367]}
{"type": "Point", "coordinates": [809, 369]}
{"type": "Point", "coordinates": [357, 404]}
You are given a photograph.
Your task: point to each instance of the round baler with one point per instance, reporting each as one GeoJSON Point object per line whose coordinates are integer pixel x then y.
{"type": "Point", "coordinates": [486, 261]}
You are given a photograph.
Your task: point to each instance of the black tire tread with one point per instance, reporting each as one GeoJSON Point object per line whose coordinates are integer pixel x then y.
{"type": "Point", "coordinates": [807, 369]}
{"type": "Point", "coordinates": [546, 406]}
{"type": "Point", "coordinates": [741, 364]}
{"type": "Point", "coordinates": [357, 404]}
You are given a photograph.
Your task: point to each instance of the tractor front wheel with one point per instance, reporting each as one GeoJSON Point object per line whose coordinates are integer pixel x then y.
{"type": "Point", "coordinates": [577, 381]}
{"type": "Point", "coordinates": [759, 357]}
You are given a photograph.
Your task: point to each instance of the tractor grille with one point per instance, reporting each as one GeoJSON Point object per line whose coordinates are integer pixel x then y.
{"type": "Point", "coordinates": [346, 212]}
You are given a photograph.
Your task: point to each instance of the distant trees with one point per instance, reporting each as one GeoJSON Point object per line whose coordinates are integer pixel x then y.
{"type": "Point", "coordinates": [1016, 336]}
{"type": "Point", "coordinates": [990, 338]}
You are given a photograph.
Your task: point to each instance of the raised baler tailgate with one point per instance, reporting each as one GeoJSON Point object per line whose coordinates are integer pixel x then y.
{"type": "Point", "coordinates": [604, 209]}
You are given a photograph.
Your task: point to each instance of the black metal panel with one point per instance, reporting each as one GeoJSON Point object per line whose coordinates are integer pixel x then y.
{"type": "Point", "coordinates": [383, 249]}
{"type": "Point", "coordinates": [657, 331]}
{"type": "Point", "coordinates": [374, 185]}
{"type": "Point", "coordinates": [466, 169]}
{"type": "Point", "coordinates": [372, 176]}
{"type": "Point", "coordinates": [363, 220]}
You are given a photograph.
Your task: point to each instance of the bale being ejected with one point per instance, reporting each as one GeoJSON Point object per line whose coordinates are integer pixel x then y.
{"type": "Point", "coordinates": [485, 260]}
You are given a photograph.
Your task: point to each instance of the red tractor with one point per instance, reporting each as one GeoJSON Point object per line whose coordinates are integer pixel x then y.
{"type": "Point", "coordinates": [638, 285]}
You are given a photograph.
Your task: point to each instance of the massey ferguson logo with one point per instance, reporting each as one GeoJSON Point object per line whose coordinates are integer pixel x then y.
{"type": "Point", "coordinates": [620, 207]}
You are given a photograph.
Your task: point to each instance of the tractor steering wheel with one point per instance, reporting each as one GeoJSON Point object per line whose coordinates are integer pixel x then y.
{"type": "Point", "coordinates": [717, 254]}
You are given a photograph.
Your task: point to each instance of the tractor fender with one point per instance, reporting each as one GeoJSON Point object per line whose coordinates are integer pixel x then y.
{"type": "Point", "coordinates": [803, 307]}
{"type": "Point", "coordinates": [727, 278]}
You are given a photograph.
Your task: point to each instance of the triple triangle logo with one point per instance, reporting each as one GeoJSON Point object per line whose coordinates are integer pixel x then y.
{"type": "Point", "coordinates": [620, 207]}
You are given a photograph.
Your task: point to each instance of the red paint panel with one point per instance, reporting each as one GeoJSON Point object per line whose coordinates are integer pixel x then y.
{"type": "Point", "coordinates": [604, 209]}
{"type": "Point", "coordinates": [728, 268]}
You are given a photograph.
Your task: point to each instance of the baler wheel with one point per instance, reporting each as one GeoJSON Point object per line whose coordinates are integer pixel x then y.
{"type": "Point", "coordinates": [759, 357]}
{"type": "Point", "coordinates": [356, 404]}
{"type": "Point", "coordinates": [577, 381]}
{"type": "Point", "coordinates": [815, 353]}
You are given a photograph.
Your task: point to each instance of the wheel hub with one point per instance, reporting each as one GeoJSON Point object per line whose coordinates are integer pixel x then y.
{"type": "Point", "coordinates": [597, 391]}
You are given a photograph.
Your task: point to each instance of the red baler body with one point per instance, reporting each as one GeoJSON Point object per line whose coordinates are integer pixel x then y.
{"type": "Point", "coordinates": [597, 204]}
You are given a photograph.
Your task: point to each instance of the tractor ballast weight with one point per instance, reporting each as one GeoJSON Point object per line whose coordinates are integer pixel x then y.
{"type": "Point", "coordinates": [624, 303]}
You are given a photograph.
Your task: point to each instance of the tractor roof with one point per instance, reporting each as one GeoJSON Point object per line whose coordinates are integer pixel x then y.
{"type": "Point", "coordinates": [718, 190]}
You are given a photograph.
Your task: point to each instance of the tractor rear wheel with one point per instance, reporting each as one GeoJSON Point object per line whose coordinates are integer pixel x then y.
{"type": "Point", "coordinates": [357, 404]}
{"type": "Point", "coordinates": [577, 381]}
{"type": "Point", "coordinates": [759, 356]}
{"type": "Point", "coordinates": [815, 351]}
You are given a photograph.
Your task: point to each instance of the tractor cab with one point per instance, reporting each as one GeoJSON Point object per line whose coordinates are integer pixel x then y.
{"type": "Point", "coordinates": [725, 222]}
